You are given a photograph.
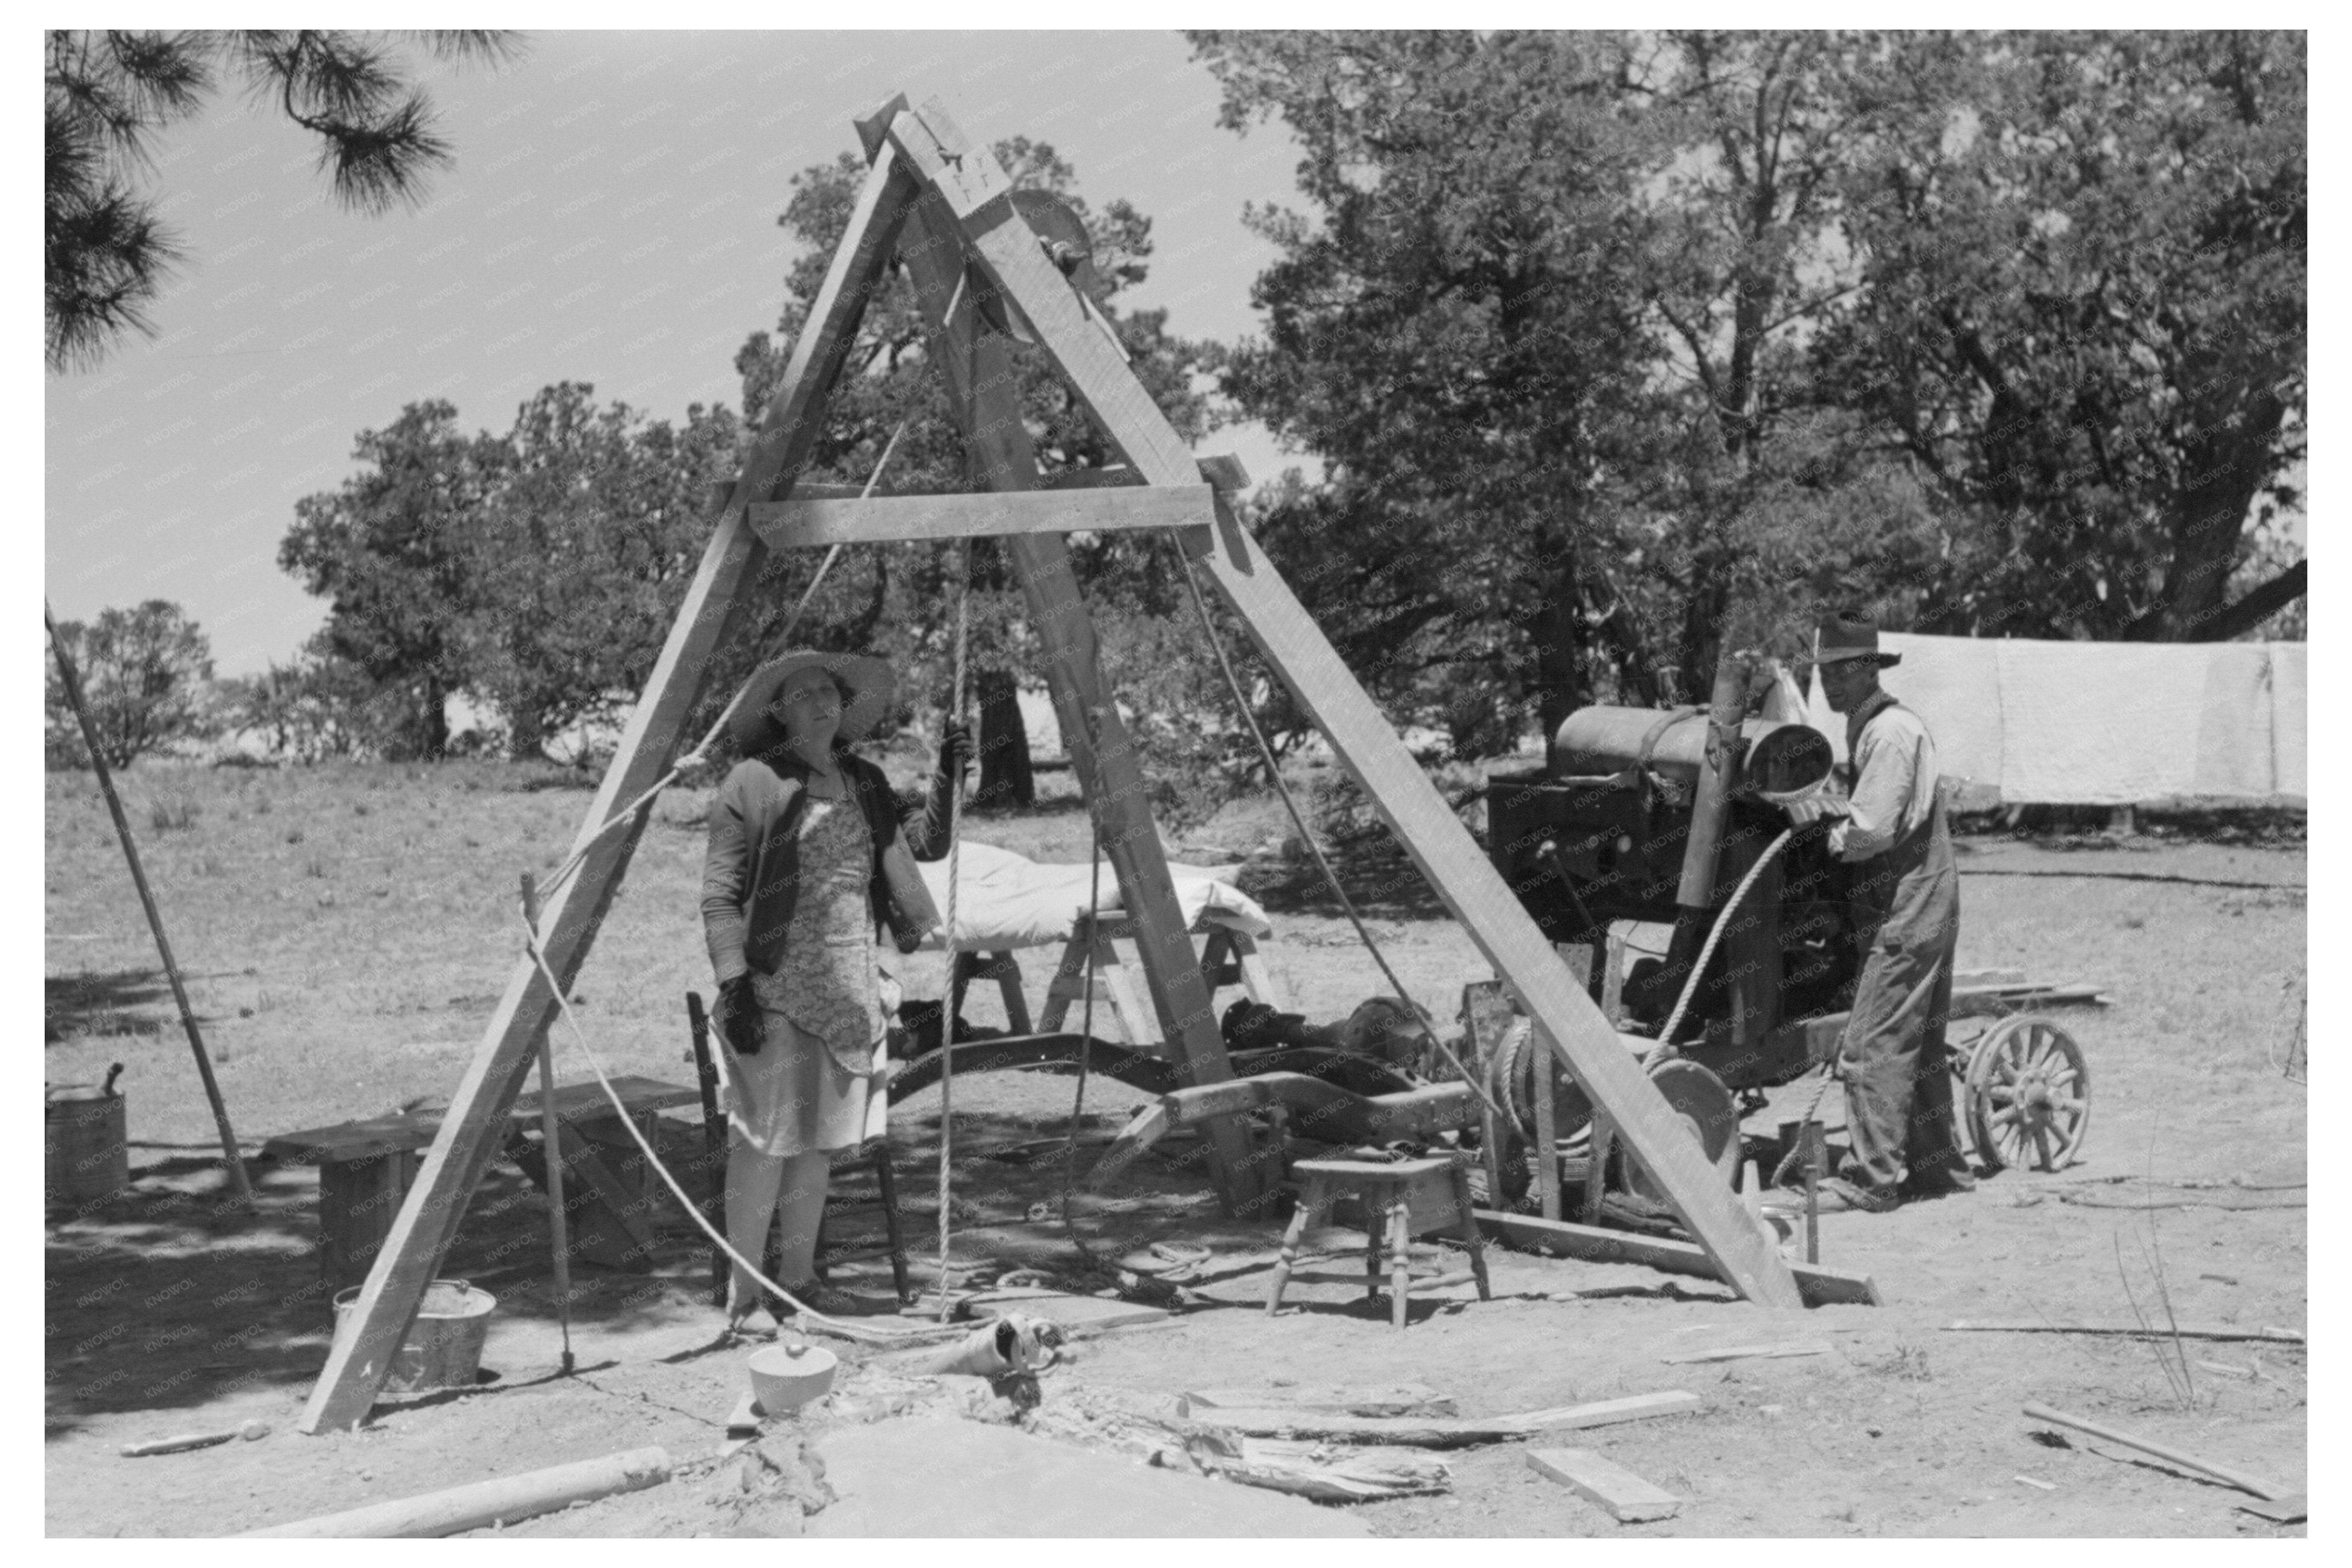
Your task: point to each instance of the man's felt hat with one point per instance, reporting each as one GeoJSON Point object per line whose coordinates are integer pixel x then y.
{"type": "Point", "coordinates": [1842, 637]}
{"type": "Point", "coordinates": [872, 687]}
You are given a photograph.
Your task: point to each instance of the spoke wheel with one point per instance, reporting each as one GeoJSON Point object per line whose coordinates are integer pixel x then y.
{"type": "Point", "coordinates": [2029, 1094]}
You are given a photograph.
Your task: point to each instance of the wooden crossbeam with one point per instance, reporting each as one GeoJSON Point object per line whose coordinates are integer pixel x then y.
{"type": "Point", "coordinates": [784, 525]}
{"type": "Point", "coordinates": [1442, 848]}
{"type": "Point", "coordinates": [1223, 472]}
{"type": "Point", "coordinates": [713, 608]}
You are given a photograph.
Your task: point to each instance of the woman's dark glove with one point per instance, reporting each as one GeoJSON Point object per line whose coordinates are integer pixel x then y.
{"type": "Point", "coordinates": [739, 1015]}
{"type": "Point", "coordinates": [955, 751]}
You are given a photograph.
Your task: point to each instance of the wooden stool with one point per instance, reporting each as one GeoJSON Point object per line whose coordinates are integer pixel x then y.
{"type": "Point", "coordinates": [365, 1169]}
{"type": "Point", "coordinates": [1389, 1191]}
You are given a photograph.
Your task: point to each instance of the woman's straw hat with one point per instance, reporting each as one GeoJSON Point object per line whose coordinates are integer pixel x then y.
{"type": "Point", "coordinates": [872, 686]}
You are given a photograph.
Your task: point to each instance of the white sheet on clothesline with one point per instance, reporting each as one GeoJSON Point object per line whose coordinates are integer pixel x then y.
{"type": "Point", "coordinates": [1006, 900]}
{"type": "Point", "coordinates": [2019, 721]}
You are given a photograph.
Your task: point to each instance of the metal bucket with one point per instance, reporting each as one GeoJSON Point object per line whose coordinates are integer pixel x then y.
{"type": "Point", "coordinates": [85, 1142]}
{"type": "Point", "coordinates": [444, 1347]}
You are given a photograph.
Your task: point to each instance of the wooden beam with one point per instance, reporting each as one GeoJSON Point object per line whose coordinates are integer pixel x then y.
{"type": "Point", "coordinates": [1565, 1019]}
{"type": "Point", "coordinates": [1222, 470]}
{"type": "Point", "coordinates": [713, 607]}
{"type": "Point", "coordinates": [983, 385]}
{"type": "Point", "coordinates": [1444, 1431]}
{"type": "Point", "coordinates": [787, 525]}
{"type": "Point", "coordinates": [1820, 1286]}
{"type": "Point", "coordinates": [505, 1499]}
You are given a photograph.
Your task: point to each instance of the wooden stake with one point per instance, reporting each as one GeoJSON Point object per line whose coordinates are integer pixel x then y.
{"type": "Point", "coordinates": [233, 1161]}
{"type": "Point", "coordinates": [551, 1144]}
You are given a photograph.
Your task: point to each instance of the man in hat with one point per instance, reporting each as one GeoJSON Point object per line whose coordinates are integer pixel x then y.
{"type": "Point", "coordinates": [1905, 902]}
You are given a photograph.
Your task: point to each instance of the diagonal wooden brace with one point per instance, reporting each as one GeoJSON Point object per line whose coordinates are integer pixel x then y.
{"type": "Point", "coordinates": [714, 606]}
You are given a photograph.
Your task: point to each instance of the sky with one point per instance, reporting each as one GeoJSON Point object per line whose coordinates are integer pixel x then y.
{"type": "Point", "coordinates": [610, 218]}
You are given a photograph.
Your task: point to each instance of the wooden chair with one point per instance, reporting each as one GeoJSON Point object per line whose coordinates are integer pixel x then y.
{"type": "Point", "coordinates": [1390, 1191]}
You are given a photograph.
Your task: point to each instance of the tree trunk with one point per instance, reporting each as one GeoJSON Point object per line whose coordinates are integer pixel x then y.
{"type": "Point", "coordinates": [1005, 778]}
{"type": "Point", "coordinates": [2220, 475]}
{"type": "Point", "coordinates": [525, 739]}
{"type": "Point", "coordinates": [433, 721]}
{"type": "Point", "coordinates": [1560, 651]}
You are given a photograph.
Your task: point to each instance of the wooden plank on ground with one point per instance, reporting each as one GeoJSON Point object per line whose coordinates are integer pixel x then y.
{"type": "Point", "coordinates": [1346, 1399]}
{"type": "Point", "coordinates": [1744, 1353]}
{"type": "Point", "coordinates": [1071, 1311]}
{"type": "Point", "coordinates": [799, 522]}
{"type": "Point", "coordinates": [713, 606]}
{"type": "Point", "coordinates": [2138, 1330]}
{"type": "Point", "coordinates": [1450, 860]}
{"type": "Point", "coordinates": [1820, 1286]}
{"type": "Point", "coordinates": [1444, 1431]}
{"type": "Point", "coordinates": [1629, 1499]}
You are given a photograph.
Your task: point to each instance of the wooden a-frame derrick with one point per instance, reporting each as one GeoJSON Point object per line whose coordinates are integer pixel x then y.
{"type": "Point", "coordinates": [942, 203]}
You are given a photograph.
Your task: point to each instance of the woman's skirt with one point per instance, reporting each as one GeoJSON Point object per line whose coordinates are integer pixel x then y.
{"type": "Point", "coordinates": [793, 1097]}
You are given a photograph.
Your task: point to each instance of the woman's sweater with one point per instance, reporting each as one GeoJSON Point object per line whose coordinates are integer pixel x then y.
{"type": "Point", "coordinates": [751, 869]}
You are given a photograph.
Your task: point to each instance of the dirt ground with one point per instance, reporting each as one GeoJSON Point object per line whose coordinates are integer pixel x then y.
{"type": "Point", "coordinates": [348, 930]}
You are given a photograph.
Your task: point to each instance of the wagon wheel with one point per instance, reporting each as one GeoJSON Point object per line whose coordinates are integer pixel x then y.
{"type": "Point", "coordinates": [2029, 1094]}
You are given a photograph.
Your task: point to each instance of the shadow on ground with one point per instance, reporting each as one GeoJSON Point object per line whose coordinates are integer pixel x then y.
{"type": "Point", "coordinates": [165, 1298]}
{"type": "Point", "coordinates": [100, 1003]}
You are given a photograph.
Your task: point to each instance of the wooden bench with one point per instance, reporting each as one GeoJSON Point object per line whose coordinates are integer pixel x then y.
{"type": "Point", "coordinates": [365, 1168]}
{"type": "Point", "coordinates": [1229, 957]}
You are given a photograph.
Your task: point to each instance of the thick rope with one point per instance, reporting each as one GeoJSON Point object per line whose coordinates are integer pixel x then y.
{"type": "Point", "coordinates": [571, 863]}
{"type": "Point", "coordinates": [1323, 863]}
{"type": "Point", "coordinates": [693, 1212]}
{"type": "Point", "coordinates": [1715, 934]}
{"type": "Point", "coordinates": [1086, 1032]}
{"type": "Point", "coordinates": [947, 1012]}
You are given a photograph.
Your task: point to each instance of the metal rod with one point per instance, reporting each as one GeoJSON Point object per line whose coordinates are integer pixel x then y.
{"type": "Point", "coordinates": [1813, 1141]}
{"type": "Point", "coordinates": [233, 1161]}
{"type": "Point", "coordinates": [551, 1148]}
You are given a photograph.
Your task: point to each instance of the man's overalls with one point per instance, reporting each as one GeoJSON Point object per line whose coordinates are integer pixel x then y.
{"type": "Point", "coordinates": [1905, 907]}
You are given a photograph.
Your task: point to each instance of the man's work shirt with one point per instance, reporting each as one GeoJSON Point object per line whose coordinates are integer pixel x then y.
{"type": "Point", "coordinates": [1894, 785]}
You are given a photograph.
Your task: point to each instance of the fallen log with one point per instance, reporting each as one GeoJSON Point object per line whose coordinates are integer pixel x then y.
{"type": "Point", "coordinates": [1819, 1286]}
{"type": "Point", "coordinates": [2270, 1490]}
{"type": "Point", "coordinates": [2138, 1331]}
{"type": "Point", "coordinates": [1442, 1431]}
{"type": "Point", "coordinates": [455, 1509]}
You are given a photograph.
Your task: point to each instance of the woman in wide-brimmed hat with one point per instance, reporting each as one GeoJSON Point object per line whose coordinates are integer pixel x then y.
{"type": "Point", "coordinates": [806, 859]}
